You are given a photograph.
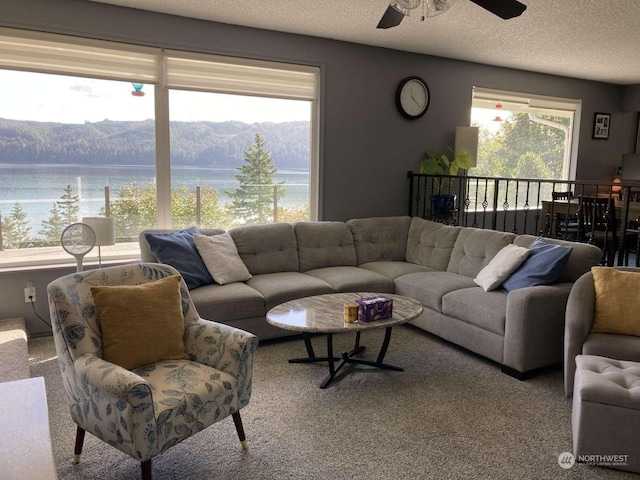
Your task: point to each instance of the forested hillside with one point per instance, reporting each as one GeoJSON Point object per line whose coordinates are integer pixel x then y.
{"type": "Point", "coordinates": [196, 144]}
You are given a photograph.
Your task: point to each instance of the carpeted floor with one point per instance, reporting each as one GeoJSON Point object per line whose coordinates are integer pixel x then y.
{"type": "Point", "coordinates": [449, 415]}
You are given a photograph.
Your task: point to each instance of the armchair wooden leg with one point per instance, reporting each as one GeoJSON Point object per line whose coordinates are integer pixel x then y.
{"type": "Point", "coordinates": [238, 423]}
{"type": "Point", "coordinates": [79, 442]}
{"type": "Point", "coordinates": [145, 467]}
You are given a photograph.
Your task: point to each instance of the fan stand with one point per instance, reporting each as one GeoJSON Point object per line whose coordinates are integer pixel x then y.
{"type": "Point", "coordinates": [77, 240]}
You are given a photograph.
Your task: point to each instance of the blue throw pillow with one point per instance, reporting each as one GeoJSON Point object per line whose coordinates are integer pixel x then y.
{"type": "Point", "coordinates": [179, 250]}
{"type": "Point", "coordinates": [543, 266]}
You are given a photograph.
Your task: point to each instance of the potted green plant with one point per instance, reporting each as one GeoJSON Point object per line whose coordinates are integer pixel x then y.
{"type": "Point", "coordinates": [436, 163]}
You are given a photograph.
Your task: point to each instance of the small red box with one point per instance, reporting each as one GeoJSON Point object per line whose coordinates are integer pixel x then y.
{"type": "Point", "coordinates": [374, 308]}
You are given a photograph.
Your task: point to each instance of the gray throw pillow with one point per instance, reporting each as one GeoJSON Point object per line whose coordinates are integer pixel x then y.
{"type": "Point", "coordinates": [220, 255]}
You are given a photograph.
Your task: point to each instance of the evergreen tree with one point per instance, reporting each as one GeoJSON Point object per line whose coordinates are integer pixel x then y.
{"type": "Point", "coordinates": [252, 202]}
{"type": "Point", "coordinates": [52, 227]}
{"type": "Point", "coordinates": [16, 229]}
{"type": "Point", "coordinates": [63, 213]}
{"type": "Point", "coordinates": [68, 205]}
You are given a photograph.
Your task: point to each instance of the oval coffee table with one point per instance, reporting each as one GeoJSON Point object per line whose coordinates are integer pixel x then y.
{"type": "Point", "coordinates": [325, 314]}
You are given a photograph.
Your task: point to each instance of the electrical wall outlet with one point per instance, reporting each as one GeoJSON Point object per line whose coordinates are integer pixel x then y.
{"type": "Point", "coordinates": [29, 293]}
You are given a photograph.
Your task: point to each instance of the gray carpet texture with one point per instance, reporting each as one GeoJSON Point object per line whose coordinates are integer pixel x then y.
{"type": "Point", "coordinates": [450, 415]}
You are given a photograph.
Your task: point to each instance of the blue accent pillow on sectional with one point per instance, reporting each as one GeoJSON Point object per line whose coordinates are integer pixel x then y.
{"type": "Point", "coordinates": [179, 250]}
{"type": "Point", "coordinates": [543, 266]}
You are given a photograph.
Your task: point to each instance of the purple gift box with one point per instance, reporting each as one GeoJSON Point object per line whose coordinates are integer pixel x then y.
{"type": "Point", "coordinates": [374, 308]}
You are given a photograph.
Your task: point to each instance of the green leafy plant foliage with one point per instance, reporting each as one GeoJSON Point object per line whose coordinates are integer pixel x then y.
{"type": "Point", "coordinates": [436, 163]}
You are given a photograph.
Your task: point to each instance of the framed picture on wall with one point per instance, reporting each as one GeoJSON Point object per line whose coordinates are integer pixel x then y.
{"type": "Point", "coordinates": [601, 123]}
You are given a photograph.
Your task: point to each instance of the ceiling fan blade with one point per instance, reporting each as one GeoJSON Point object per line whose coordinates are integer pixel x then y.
{"type": "Point", "coordinates": [505, 9]}
{"type": "Point", "coordinates": [391, 18]}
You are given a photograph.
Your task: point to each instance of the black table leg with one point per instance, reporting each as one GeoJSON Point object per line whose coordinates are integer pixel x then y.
{"type": "Point", "coordinates": [311, 354]}
{"type": "Point", "coordinates": [307, 343]}
{"type": "Point", "coordinates": [379, 361]}
{"type": "Point", "coordinates": [347, 357]}
{"type": "Point", "coordinates": [333, 368]}
{"type": "Point", "coordinates": [385, 345]}
{"type": "Point", "coordinates": [357, 348]}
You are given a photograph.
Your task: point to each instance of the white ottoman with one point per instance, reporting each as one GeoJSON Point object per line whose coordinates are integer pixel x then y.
{"type": "Point", "coordinates": [606, 413]}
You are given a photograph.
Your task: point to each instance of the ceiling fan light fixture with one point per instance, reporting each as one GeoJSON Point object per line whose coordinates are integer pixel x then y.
{"type": "Point", "coordinates": [398, 9]}
{"type": "Point", "coordinates": [405, 6]}
{"type": "Point", "coordinates": [436, 7]}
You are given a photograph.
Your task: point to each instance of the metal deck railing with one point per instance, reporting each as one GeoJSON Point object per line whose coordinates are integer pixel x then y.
{"type": "Point", "coordinates": [528, 206]}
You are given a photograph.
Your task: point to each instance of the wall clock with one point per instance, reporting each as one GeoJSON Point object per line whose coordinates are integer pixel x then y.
{"type": "Point", "coordinates": [412, 97]}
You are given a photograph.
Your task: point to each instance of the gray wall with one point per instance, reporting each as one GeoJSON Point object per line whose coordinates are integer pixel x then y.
{"type": "Point", "coordinates": [366, 147]}
{"type": "Point", "coordinates": [631, 98]}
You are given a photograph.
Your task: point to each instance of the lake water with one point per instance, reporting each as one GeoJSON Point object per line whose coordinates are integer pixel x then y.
{"type": "Point", "coordinates": [37, 187]}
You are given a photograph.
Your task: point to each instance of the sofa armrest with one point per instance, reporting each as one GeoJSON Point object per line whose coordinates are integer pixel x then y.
{"type": "Point", "coordinates": [111, 379]}
{"type": "Point", "coordinates": [224, 348]}
{"type": "Point", "coordinates": [580, 311]}
{"type": "Point", "coordinates": [110, 399]}
{"type": "Point", "coordinates": [534, 328]}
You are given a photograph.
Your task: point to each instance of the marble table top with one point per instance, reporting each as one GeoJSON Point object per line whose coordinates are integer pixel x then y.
{"type": "Point", "coordinates": [325, 313]}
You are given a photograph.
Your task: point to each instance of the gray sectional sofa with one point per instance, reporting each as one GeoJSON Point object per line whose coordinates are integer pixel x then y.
{"type": "Point", "coordinates": [431, 262]}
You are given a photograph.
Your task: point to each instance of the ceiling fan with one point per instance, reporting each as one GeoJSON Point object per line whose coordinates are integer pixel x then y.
{"type": "Point", "coordinates": [398, 9]}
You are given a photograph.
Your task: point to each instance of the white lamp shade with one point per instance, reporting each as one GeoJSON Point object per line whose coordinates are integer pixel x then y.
{"type": "Point", "coordinates": [105, 228]}
{"type": "Point", "coordinates": [467, 140]}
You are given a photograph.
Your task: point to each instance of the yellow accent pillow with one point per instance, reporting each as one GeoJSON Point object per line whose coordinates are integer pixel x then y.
{"type": "Point", "coordinates": [141, 324]}
{"type": "Point", "coordinates": [617, 301]}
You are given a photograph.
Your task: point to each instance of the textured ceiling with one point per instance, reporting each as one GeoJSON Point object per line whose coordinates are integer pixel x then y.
{"type": "Point", "coordinates": [590, 39]}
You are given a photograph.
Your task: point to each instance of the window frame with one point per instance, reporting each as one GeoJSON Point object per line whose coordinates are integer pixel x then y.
{"type": "Point", "coordinates": [531, 103]}
{"type": "Point", "coordinates": [42, 52]}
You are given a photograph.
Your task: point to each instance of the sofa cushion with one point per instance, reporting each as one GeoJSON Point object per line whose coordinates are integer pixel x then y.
{"type": "Point", "coordinates": [543, 267]}
{"type": "Point", "coordinates": [267, 248]}
{"type": "Point", "coordinates": [430, 244]}
{"type": "Point", "coordinates": [621, 347]}
{"type": "Point", "coordinates": [487, 310]}
{"type": "Point", "coordinates": [223, 303]}
{"type": "Point", "coordinates": [474, 249]}
{"type": "Point", "coordinates": [147, 256]}
{"type": "Point", "coordinates": [220, 255]}
{"type": "Point", "coordinates": [324, 244]}
{"type": "Point", "coordinates": [280, 287]}
{"type": "Point", "coordinates": [429, 287]}
{"type": "Point", "coordinates": [394, 269]}
{"type": "Point", "coordinates": [616, 302]}
{"type": "Point", "coordinates": [141, 324]}
{"type": "Point", "coordinates": [178, 249]}
{"type": "Point", "coordinates": [353, 279]}
{"type": "Point", "coordinates": [583, 256]}
{"type": "Point", "coordinates": [501, 266]}
{"type": "Point", "coordinates": [380, 238]}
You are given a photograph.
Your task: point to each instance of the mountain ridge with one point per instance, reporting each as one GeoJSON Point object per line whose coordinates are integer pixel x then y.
{"type": "Point", "coordinates": [193, 144]}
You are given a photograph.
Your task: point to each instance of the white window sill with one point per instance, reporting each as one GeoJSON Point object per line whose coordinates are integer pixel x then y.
{"type": "Point", "coordinates": [41, 258]}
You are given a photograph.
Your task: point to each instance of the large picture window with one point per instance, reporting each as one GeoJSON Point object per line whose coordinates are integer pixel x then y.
{"type": "Point", "coordinates": [153, 138]}
{"type": "Point", "coordinates": [524, 135]}
{"type": "Point", "coordinates": [271, 138]}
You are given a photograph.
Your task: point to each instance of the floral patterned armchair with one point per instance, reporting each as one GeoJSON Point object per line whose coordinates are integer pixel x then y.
{"type": "Point", "coordinates": [145, 411]}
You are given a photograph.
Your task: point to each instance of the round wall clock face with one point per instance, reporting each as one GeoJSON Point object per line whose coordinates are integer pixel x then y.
{"type": "Point", "coordinates": [412, 97]}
